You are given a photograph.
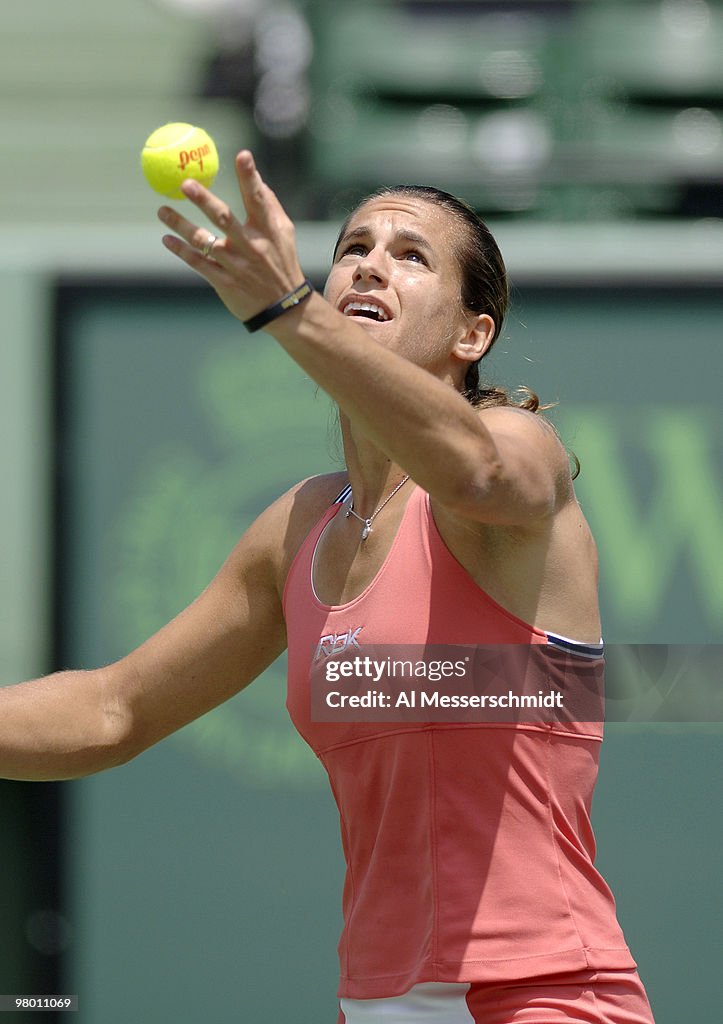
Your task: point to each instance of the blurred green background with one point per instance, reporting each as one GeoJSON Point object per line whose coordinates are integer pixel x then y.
{"type": "Point", "coordinates": [141, 432]}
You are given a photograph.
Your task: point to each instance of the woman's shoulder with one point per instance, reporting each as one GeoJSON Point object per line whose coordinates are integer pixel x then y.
{"type": "Point", "coordinates": [314, 494]}
{"type": "Point", "coordinates": [296, 512]}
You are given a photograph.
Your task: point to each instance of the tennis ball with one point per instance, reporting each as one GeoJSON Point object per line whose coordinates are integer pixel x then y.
{"type": "Point", "coordinates": [175, 152]}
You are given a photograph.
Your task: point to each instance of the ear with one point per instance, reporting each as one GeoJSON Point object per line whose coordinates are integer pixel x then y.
{"type": "Point", "coordinates": [477, 339]}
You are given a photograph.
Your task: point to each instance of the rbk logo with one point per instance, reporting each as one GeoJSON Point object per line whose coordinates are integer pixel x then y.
{"type": "Point", "coordinates": [337, 643]}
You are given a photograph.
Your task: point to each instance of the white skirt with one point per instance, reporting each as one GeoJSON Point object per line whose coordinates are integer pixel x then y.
{"type": "Point", "coordinates": [427, 1003]}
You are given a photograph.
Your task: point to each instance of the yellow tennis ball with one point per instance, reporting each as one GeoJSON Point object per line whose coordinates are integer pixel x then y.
{"type": "Point", "coordinates": [175, 152]}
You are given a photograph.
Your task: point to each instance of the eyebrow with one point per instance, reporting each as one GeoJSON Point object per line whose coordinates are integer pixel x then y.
{"type": "Point", "coordinates": [404, 236]}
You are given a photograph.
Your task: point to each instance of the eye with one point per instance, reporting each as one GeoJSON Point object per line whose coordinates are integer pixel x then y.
{"type": "Point", "coordinates": [414, 256]}
{"type": "Point", "coordinates": [355, 249]}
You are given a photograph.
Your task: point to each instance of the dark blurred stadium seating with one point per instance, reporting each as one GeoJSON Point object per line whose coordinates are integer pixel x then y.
{"type": "Point", "coordinates": [583, 109]}
{"type": "Point", "coordinates": [544, 109]}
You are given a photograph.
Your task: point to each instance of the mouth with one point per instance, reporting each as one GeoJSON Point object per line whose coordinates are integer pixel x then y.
{"type": "Point", "coordinates": [377, 312]}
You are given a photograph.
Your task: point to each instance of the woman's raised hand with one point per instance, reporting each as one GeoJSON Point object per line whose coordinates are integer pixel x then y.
{"type": "Point", "coordinates": [250, 265]}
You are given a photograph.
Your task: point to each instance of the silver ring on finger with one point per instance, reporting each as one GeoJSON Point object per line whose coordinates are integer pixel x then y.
{"type": "Point", "coordinates": [207, 249]}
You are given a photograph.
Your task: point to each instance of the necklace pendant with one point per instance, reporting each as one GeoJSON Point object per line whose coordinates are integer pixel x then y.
{"type": "Point", "coordinates": [367, 528]}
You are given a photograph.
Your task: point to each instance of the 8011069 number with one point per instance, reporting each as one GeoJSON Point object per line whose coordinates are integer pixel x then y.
{"type": "Point", "coordinates": [36, 1002]}
{"type": "Point", "coordinates": [42, 1002]}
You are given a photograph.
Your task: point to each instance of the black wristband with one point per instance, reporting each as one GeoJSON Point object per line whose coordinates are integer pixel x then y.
{"type": "Point", "coordinates": [298, 295]}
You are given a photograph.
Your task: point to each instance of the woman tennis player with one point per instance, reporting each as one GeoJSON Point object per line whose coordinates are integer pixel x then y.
{"type": "Point", "coordinates": [471, 893]}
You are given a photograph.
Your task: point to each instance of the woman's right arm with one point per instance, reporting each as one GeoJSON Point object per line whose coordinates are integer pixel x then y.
{"type": "Point", "coordinates": [76, 723]}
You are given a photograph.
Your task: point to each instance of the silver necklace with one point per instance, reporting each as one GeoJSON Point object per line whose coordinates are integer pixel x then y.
{"type": "Point", "coordinates": [368, 522]}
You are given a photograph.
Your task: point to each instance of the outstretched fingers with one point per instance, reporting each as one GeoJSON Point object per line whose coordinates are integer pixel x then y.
{"type": "Point", "coordinates": [199, 247]}
{"type": "Point", "coordinates": [216, 210]}
{"type": "Point", "coordinates": [261, 203]}
{"type": "Point", "coordinates": [263, 209]}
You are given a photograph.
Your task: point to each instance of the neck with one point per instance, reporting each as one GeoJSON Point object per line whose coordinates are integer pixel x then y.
{"type": "Point", "coordinates": [371, 473]}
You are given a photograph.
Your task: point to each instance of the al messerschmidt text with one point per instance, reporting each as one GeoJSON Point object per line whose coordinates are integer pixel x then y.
{"type": "Point", "coordinates": [435, 699]}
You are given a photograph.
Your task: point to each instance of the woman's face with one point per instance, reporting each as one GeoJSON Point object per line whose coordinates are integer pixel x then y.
{"type": "Point", "coordinates": [398, 256]}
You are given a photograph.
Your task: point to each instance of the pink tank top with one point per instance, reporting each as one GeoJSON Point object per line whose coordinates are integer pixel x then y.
{"type": "Point", "coordinates": [469, 848]}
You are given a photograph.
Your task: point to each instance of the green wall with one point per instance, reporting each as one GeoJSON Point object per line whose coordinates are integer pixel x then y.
{"type": "Point", "coordinates": [206, 875]}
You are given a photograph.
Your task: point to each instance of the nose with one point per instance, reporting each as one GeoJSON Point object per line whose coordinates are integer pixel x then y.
{"type": "Point", "coordinates": [371, 268]}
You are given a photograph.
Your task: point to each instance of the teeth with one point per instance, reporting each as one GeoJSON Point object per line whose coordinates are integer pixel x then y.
{"type": "Point", "coordinates": [365, 307]}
